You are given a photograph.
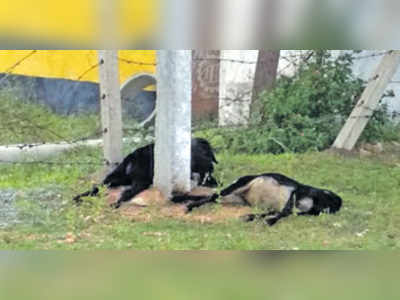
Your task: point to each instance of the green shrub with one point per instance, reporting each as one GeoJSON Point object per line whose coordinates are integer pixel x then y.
{"type": "Point", "coordinates": [305, 111]}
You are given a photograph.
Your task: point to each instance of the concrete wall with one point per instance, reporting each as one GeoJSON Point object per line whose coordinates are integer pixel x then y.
{"type": "Point", "coordinates": [236, 85]}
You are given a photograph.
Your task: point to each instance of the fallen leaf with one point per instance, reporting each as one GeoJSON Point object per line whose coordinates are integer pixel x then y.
{"type": "Point", "coordinates": [69, 238]}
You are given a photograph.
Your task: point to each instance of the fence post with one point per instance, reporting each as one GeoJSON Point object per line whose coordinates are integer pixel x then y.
{"type": "Point", "coordinates": [173, 121]}
{"type": "Point", "coordinates": [368, 102]}
{"type": "Point", "coordinates": [110, 105]}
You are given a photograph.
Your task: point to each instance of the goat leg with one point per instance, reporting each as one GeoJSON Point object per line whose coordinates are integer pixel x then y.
{"type": "Point", "coordinates": [201, 202]}
{"type": "Point", "coordinates": [93, 192]}
{"type": "Point", "coordinates": [131, 192]}
{"type": "Point", "coordinates": [287, 211]}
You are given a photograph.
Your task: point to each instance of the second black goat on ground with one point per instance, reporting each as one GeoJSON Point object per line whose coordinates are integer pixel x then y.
{"type": "Point", "coordinates": [136, 171]}
{"type": "Point", "coordinates": [277, 194]}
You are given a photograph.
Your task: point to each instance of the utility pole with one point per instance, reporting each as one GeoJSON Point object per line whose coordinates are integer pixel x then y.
{"type": "Point", "coordinates": [173, 121]}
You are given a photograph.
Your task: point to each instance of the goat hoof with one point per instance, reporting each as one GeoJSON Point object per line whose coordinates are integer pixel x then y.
{"type": "Point", "coordinates": [77, 201]}
{"type": "Point", "coordinates": [189, 208]}
{"type": "Point", "coordinates": [271, 221]}
{"type": "Point", "coordinates": [115, 205]}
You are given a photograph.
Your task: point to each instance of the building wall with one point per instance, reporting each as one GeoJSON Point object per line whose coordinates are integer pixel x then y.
{"type": "Point", "coordinates": [72, 64]}
{"type": "Point", "coordinates": [236, 79]}
{"type": "Point", "coordinates": [66, 81]}
{"type": "Point", "coordinates": [205, 83]}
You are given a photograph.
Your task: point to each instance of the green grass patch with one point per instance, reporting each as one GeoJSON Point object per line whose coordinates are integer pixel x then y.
{"type": "Point", "coordinates": [369, 219]}
{"type": "Point", "coordinates": [24, 122]}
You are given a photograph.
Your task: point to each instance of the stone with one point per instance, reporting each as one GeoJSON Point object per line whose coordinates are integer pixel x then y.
{"type": "Point", "coordinates": [396, 144]}
{"type": "Point", "coordinates": [374, 148]}
{"type": "Point", "coordinates": [150, 197]}
{"type": "Point", "coordinates": [365, 153]}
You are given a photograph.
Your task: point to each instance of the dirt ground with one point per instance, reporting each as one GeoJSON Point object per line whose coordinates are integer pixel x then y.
{"type": "Point", "coordinates": [159, 207]}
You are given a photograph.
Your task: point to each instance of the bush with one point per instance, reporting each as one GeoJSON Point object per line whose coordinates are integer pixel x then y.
{"type": "Point", "coordinates": [306, 111]}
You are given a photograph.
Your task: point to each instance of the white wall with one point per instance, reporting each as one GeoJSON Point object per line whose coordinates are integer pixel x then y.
{"type": "Point", "coordinates": [364, 67]}
{"type": "Point", "coordinates": [236, 84]}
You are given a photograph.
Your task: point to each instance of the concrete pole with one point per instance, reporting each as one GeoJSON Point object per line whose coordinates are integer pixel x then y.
{"type": "Point", "coordinates": [173, 121]}
{"type": "Point", "coordinates": [110, 95]}
{"type": "Point", "coordinates": [110, 104]}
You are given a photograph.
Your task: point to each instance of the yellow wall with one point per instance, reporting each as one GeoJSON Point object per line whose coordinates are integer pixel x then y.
{"type": "Point", "coordinates": [72, 64]}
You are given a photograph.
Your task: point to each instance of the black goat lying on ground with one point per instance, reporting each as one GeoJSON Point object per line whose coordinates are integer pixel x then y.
{"type": "Point", "coordinates": [276, 193]}
{"type": "Point", "coordinates": [136, 171]}
{"type": "Point", "coordinates": [279, 195]}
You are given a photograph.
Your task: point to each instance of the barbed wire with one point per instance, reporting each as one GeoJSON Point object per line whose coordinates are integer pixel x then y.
{"type": "Point", "coordinates": [292, 61]}
{"type": "Point", "coordinates": [241, 61]}
{"type": "Point", "coordinates": [12, 68]}
{"type": "Point", "coordinates": [55, 163]}
{"type": "Point", "coordinates": [64, 139]}
{"type": "Point", "coordinates": [372, 55]}
{"type": "Point", "coordinates": [92, 67]}
{"type": "Point", "coordinates": [214, 59]}
{"type": "Point", "coordinates": [135, 62]}
{"type": "Point", "coordinates": [22, 146]}
{"type": "Point", "coordinates": [292, 58]}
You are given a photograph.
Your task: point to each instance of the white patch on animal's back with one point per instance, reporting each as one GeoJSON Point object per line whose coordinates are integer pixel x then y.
{"type": "Point", "coordinates": [128, 168]}
{"type": "Point", "coordinates": [305, 204]}
{"type": "Point", "coordinates": [267, 193]}
{"type": "Point", "coordinates": [205, 178]}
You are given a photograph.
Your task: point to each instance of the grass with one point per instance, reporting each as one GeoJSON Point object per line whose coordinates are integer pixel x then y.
{"type": "Point", "coordinates": [39, 195]}
{"type": "Point", "coordinates": [24, 122]}
{"type": "Point", "coordinates": [370, 218]}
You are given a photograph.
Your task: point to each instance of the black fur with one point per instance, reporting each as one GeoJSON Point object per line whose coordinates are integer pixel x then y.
{"type": "Point", "coordinates": [193, 201]}
{"type": "Point", "coordinates": [323, 200]}
{"type": "Point", "coordinates": [137, 170]}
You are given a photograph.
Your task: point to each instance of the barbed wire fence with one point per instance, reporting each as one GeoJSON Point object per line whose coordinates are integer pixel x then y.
{"type": "Point", "coordinates": [19, 123]}
{"type": "Point", "coordinates": [288, 65]}
{"type": "Point", "coordinates": [40, 134]}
